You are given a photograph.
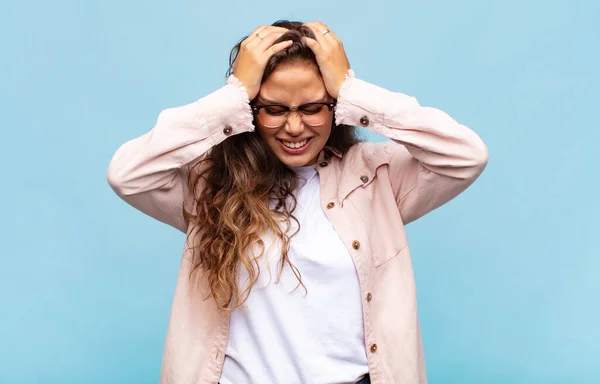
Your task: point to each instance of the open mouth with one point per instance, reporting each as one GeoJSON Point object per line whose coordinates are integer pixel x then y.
{"type": "Point", "coordinates": [297, 145]}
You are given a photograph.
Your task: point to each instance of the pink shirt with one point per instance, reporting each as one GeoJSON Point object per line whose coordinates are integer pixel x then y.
{"type": "Point", "coordinates": [369, 195]}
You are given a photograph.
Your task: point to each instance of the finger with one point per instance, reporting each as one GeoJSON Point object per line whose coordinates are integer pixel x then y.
{"type": "Point", "coordinates": [332, 41]}
{"type": "Point", "coordinates": [317, 26]}
{"type": "Point", "coordinates": [271, 28]}
{"type": "Point", "coordinates": [330, 36]}
{"type": "Point", "coordinates": [314, 45]}
{"type": "Point", "coordinates": [319, 37]}
{"type": "Point", "coordinates": [269, 39]}
{"type": "Point", "coordinates": [279, 47]}
{"type": "Point", "coordinates": [254, 34]}
{"type": "Point", "coordinates": [261, 35]}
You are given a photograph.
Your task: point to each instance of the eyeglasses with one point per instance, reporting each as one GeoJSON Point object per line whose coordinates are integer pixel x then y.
{"type": "Point", "coordinates": [276, 115]}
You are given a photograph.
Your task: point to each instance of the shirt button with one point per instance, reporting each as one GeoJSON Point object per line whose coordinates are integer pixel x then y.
{"type": "Point", "coordinates": [373, 348]}
{"type": "Point", "coordinates": [369, 296]}
{"type": "Point", "coordinates": [364, 121]}
{"type": "Point", "coordinates": [364, 178]}
{"type": "Point", "coordinates": [323, 164]}
{"type": "Point", "coordinates": [330, 205]}
{"type": "Point", "coordinates": [227, 130]}
{"type": "Point", "coordinates": [355, 244]}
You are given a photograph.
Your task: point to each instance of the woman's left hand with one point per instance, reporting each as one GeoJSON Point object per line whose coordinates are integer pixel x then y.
{"type": "Point", "coordinates": [331, 57]}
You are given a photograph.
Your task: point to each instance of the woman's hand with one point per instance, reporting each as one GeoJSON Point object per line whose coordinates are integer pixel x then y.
{"type": "Point", "coordinates": [254, 53]}
{"type": "Point", "coordinates": [331, 57]}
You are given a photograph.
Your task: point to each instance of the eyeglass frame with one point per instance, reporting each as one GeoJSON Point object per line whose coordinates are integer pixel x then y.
{"type": "Point", "coordinates": [297, 108]}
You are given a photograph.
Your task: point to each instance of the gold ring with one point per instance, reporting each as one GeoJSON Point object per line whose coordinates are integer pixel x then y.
{"type": "Point", "coordinates": [257, 35]}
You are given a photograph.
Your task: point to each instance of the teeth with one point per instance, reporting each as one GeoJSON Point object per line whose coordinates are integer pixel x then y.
{"type": "Point", "coordinates": [295, 145]}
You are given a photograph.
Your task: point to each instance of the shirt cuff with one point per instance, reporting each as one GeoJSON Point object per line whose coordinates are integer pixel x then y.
{"type": "Point", "coordinates": [363, 104]}
{"type": "Point", "coordinates": [227, 111]}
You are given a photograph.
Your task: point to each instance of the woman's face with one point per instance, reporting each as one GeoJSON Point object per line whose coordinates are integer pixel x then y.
{"type": "Point", "coordinates": [296, 143]}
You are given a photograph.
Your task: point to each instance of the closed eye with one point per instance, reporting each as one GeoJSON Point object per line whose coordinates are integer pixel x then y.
{"type": "Point", "coordinates": [311, 109]}
{"type": "Point", "coordinates": [276, 110]}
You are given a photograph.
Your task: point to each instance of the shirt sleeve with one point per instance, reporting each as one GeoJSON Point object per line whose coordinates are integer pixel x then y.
{"type": "Point", "coordinates": [432, 157]}
{"type": "Point", "coordinates": [150, 172]}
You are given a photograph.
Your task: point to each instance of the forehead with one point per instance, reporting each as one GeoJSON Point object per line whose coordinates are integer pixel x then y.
{"type": "Point", "coordinates": [293, 84]}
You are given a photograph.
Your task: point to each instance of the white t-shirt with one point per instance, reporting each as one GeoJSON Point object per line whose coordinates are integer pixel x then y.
{"type": "Point", "coordinates": [284, 334]}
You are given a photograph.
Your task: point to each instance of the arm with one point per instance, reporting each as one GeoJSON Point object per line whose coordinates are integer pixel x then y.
{"type": "Point", "coordinates": [150, 172]}
{"type": "Point", "coordinates": [433, 158]}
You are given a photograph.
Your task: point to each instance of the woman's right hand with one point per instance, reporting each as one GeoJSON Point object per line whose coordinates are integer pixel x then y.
{"type": "Point", "coordinates": [254, 53]}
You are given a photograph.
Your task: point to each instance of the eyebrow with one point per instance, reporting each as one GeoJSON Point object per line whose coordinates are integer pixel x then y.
{"type": "Point", "coordinates": [322, 99]}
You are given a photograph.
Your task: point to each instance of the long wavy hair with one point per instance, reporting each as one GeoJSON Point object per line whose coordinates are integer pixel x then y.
{"type": "Point", "coordinates": [242, 191]}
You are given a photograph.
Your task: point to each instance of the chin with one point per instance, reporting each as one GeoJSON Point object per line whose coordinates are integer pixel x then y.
{"type": "Point", "coordinates": [297, 161]}
{"type": "Point", "coordinates": [294, 163]}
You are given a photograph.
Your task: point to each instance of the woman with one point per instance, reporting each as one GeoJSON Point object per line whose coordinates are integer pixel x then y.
{"type": "Point", "coordinates": [296, 267]}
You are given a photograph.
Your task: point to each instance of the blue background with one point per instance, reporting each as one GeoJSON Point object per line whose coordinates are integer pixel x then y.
{"type": "Point", "coordinates": [508, 273]}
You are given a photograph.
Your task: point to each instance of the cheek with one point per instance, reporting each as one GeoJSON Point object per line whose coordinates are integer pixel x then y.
{"type": "Point", "coordinates": [268, 137]}
{"type": "Point", "coordinates": [264, 133]}
{"type": "Point", "coordinates": [326, 130]}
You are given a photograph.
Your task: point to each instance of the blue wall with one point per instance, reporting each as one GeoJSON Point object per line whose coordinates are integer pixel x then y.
{"type": "Point", "coordinates": [508, 273]}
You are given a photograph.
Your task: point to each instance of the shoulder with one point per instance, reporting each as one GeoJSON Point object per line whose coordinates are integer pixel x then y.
{"type": "Point", "coordinates": [368, 155]}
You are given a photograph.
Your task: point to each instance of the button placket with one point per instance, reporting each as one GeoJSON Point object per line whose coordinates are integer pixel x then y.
{"type": "Point", "coordinates": [356, 246]}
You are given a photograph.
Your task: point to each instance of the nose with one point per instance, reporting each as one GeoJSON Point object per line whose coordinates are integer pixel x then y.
{"type": "Point", "coordinates": [294, 125]}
